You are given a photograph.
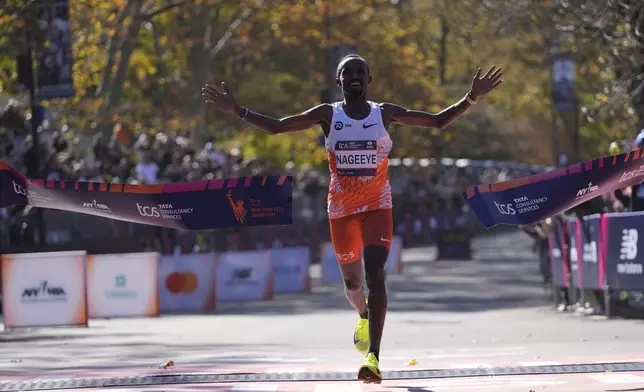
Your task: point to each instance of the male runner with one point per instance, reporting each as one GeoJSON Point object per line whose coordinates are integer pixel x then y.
{"type": "Point", "coordinates": [359, 200]}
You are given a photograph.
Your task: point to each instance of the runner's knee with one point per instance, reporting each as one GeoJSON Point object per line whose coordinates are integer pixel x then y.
{"type": "Point", "coordinates": [352, 283]}
{"type": "Point", "coordinates": [375, 257]}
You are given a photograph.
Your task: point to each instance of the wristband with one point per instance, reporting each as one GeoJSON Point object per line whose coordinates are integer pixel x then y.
{"type": "Point", "coordinates": [469, 99]}
{"type": "Point", "coordinates": [243, 115]}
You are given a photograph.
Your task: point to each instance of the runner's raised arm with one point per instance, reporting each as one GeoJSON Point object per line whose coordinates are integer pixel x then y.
{"type": "Point", "coordinates": [225, 100]}
{"type": "Point", "coordinates": [481, 86]}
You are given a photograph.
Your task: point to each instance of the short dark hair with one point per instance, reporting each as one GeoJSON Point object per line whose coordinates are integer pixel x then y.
{"type": "Point", "coordinates": [347, 58]}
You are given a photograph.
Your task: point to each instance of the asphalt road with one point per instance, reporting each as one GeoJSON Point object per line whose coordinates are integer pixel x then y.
{"type": "Point", "coordinates": [487, 312]}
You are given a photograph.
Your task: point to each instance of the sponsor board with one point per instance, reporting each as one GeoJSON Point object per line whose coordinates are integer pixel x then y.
{"type": "Point", "coordinates": [330, 267]}
{"type": "Point", "coordinates": [624, 263]}
{"type": "Point", "coordinates": [187, 282]}
{"type": "Point", "coordinates": [44, 289]}
{"type": "Point", "coordinates": [291, 269]}
{"type": "Point", "coordinates": [122, 285]}
{"type": "Point", "coordinates": [244, 276]}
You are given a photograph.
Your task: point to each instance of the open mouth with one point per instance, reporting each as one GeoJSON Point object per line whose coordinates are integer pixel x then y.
{"type": "Point", "coordinates": [355, 84]}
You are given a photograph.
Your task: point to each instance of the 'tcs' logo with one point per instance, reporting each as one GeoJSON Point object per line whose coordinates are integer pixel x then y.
{"type": "Point", "coordinates": [19, 190]}
{"type": "Point", "coordinates": [346, 256]}
{"type": "Point", "coordinates": [505, 209]}
{"type": "Point", "coordinates": [148, 211]}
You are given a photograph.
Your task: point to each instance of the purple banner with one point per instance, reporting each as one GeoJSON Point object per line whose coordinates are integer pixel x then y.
{"type": "Point", "coordinates": [623, 260]}
{"type": "Point", "coordinates": [530, 199]}
{"type": "Point", "coordinates": [197, 205]}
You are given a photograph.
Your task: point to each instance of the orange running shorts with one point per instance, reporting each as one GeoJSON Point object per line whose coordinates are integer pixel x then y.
{"type": "Point", "coordinates": [351, 233]}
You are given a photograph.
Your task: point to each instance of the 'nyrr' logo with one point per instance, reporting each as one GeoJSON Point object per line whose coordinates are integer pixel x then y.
{"type": "Point", "coordinates": [238, 208]}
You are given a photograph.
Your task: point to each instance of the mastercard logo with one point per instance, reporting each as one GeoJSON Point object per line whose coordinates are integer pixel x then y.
{"type": "Point", "coordinates": [181, 282]}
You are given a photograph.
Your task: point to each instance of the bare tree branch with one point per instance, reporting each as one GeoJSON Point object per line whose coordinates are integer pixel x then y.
{"type": "Point", "coordinates": [224, 39]}
{"type": "Point", "coordinates": [161, 68]}
{"type": "Point", "coordinates": [113, 45]}
{"type": "Point", "coordinates": [176, 4]}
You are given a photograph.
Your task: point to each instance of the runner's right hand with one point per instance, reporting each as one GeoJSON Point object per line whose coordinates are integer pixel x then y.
{"type": "Point", "coordinates": [223, 99]}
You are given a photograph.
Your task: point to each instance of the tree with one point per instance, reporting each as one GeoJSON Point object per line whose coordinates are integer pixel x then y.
{"type": "Point", "coordinates": [605, 37]}
{"type": "Point", "coordinates": [142, 63]}
{"type": "Point", "coordinates": [618, 27]}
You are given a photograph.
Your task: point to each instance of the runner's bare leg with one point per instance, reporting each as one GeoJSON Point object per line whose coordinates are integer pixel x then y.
{"type": "Point", "coordinates": [353, 277]}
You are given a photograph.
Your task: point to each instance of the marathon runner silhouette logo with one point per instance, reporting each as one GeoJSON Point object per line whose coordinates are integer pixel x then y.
{"type": "Point", "coordinates": [238, 208]}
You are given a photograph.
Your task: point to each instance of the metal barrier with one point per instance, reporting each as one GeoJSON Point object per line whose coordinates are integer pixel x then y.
{"type": "Point", "coordinates": [598, 262]}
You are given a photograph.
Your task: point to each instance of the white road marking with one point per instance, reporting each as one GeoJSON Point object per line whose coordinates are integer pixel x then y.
{"type": "Point", "coordinates": [333, 387]}
{"type": "Point", "coordinates": [618, 378]}
{"type": "Point", "coordinates": [484, 383]}
{"type": "Point", "coordinates": [539, 363]}
{"type": "Point", "coordinates": [496, 386]}
{"type": "Point", "coordinates": [258, 388]}
{"type": "Point", "coordinates": [286, 370]}
{"type": "Point", "coordinates": [470, 365]}
{"type": "Point", "coordinates": [470, 355]}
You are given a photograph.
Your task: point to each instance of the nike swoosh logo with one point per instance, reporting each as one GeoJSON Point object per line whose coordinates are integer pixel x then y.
{"type": "Point", "coordinates": [365, 126]}
{"type": "Point", "coordinates": [384, 239]}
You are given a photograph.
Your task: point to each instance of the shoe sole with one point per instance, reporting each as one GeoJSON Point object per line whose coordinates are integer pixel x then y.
{"type": "Point", "coordinates": [368, 377]}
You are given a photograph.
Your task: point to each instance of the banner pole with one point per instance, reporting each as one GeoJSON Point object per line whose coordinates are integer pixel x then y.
{"type": "Point", "coordinates": [37, 113]}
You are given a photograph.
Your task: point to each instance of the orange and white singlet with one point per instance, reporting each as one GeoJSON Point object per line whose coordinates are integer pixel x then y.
{"type": "Point", "coordinates": [358, 153]}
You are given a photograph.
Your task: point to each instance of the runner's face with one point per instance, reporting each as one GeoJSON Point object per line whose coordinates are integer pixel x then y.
{"type": "Point", "coordinates": [354, 78]}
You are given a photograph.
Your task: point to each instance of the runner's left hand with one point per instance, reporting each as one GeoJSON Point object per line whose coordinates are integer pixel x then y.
{"type": "Point", "coordinates": [481, 86]}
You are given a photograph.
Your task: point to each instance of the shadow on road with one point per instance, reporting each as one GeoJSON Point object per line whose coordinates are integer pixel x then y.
{"type": "Point", "coordinates": [129, 355]}
{"type": "Point", "coordinates": [26, 336]}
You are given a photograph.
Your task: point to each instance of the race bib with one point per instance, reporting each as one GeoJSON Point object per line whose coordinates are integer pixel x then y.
{"type": "Point", "coordinates": [356, 158]}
